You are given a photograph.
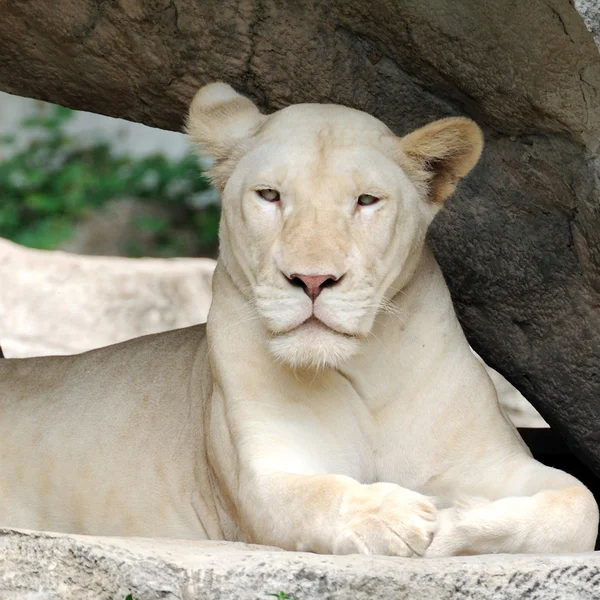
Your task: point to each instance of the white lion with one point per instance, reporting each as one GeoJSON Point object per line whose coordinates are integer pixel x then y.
{"type": "Point", "coordinates": [332, 404]}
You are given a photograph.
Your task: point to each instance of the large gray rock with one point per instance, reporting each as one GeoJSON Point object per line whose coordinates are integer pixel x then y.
{"type": "Point", "coordinates": [519, 244]}
{"type": "Point", "coordinates": [524, 67]}
{"type": "Point", "coordinates": [41, 566]}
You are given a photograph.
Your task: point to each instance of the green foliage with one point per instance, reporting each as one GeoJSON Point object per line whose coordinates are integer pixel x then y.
{"type": "Point", "coordinates": [281, 596]}
{"type": "Point", "coordinates": [53, 182]}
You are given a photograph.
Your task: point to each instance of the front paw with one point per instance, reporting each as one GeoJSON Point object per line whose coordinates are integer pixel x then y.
{"type": "Point", "coordinates": [454, 536]}
{"type": "Point", "coordinates": [383, 518]}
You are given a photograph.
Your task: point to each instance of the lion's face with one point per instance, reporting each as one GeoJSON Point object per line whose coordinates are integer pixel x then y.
{"type": "Point", "coordinates": [324, 212]}
{"type": "Point", "coordinates": [321, 220]}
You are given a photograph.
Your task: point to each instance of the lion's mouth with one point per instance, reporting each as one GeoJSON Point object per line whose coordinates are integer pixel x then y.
{"type": "Point", "coordinates": [317, 325]}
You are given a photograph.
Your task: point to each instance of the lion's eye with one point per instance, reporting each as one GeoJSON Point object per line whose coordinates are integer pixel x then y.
{"type": "Point", "coordinates": [268, 195]}
{"type": "Point", "coordinates": [367, 200]}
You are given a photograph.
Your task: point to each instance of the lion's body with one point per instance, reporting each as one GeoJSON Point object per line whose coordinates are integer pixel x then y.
{"type": "Point", "coordinates": [313, 416]}
{"type": "Point", "coordinates": [115, 455]}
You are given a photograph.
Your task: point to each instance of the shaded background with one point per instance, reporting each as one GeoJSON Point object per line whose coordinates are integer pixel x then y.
{"type": "Point", "coordinates": [91, 184]}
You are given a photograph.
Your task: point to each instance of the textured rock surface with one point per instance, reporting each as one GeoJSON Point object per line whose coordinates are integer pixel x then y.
{"type": "Point", "coordinates": [520, 244]}
{"type": "Point", "coordinates": [58, 303]}
{"type": "Point", "coordinates": [590, 11]}
{"type": "Point", "coordinates": [144, 60]}
{"type": "Point", "coordinates": [49, 566]}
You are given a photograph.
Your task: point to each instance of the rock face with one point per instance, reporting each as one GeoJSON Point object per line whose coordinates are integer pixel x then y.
{"type": "Point", "coordinates": [40, 566]}
{"type": "Point", "coordinates": [58, 303]}
{"type": "Point", "coordinates": [519, 243]}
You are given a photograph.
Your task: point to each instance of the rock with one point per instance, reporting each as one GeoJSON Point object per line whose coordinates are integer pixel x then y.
{"type": "Point", "coordinates": [406, 61]}
{"type": "Point", "coordinates": [58, 303]}
{"type": "Point", "coordinates": [44, 566]}
{"type": "Point", "coordinates": [590, 11]}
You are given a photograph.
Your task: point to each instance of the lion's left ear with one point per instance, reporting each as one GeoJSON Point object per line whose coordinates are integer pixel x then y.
{"type": "Point", "coordinates": [438, 155]}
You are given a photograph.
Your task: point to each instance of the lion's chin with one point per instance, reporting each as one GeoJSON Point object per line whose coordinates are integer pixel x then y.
{"type": "Point", "coordinates": [313, 345]}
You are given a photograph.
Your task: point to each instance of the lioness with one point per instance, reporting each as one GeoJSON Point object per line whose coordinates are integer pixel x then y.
{"type": "Point", "coordinates": [331, 404]}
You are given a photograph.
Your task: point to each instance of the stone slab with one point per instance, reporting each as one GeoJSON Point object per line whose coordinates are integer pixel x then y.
{"type": "Point", "coordinates": [53, 302]}
{"type": "Point", "coordinates": [47, 566]}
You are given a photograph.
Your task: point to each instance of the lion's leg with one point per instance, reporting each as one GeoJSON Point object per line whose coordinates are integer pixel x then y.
{"type": "Point", "coordinates": [335, 514]}
{"type": "Point", "coordinates": [543, 511]}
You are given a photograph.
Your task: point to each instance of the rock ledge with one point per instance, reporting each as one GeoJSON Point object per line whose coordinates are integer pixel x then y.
{"type": "Point", "coordinates": [44, 566]}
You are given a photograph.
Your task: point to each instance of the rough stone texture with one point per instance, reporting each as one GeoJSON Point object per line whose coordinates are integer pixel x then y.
{"type": "Point", "coordinates": [58, 303]}
{"type": "Point", "coordinates": [524, 66]}
{"type": "Point", "coordinates": [44, 566]}
{"type": "Point", "coordinates": [520, 243]}
{"type": "Point", "coordinates": [590, 12]}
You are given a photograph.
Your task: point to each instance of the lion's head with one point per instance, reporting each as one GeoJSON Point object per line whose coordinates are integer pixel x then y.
{"type": "Point", "coordinates": [325, 212]}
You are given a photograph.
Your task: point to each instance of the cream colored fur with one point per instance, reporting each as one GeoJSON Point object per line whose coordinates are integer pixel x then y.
{"type": "Point", "coordinates": [361, 422]}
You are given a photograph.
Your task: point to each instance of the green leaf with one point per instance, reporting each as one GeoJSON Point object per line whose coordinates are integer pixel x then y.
{"type": "Point", "coordinates": [41, 203]}
{"type": "Point", "coordinates": [34, 177]}
{"type": "Point", "coordinates": [45, 234]}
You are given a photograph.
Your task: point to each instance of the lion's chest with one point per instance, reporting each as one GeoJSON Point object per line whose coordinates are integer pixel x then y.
{"type": "Point", "coordinates": [332, 429]}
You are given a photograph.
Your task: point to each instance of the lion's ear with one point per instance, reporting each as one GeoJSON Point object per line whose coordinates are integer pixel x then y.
{"type": "Point", "coordinates": [222, 122]}
{"type": "Point", "coordinates": [440, 154]}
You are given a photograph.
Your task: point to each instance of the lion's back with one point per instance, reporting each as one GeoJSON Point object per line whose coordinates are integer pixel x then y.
{"type": "Point", "coordinates": [92, 443]}
{"type": "Point", "coordinates": [151, 359]}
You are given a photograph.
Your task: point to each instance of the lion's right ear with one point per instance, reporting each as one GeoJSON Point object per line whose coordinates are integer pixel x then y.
{"type": "Point", "coordinates": [222, 122]}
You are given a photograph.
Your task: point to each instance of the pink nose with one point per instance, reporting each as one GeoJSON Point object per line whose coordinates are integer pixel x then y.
{"type": "Point", "coordinates": [313, 284]}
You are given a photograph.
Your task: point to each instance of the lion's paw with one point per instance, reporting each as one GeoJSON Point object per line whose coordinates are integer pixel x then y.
{"type": "Point", "coordinates": [383, 518]}
{"type": "Point", "coordinates": [457, 526]}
